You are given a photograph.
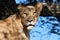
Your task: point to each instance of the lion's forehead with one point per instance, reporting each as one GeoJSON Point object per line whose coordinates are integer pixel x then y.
{"type": "Point", "coordinates": [29, 12]}
{"type": "Point", "coordinates": [29, 9]}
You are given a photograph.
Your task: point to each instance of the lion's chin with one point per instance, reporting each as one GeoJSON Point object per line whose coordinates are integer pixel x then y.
{"type": "Point", "coordinates": [30, 27]}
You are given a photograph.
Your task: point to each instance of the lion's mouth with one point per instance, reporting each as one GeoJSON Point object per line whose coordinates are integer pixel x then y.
{"type": "Point", "coordinates": [30, 26]}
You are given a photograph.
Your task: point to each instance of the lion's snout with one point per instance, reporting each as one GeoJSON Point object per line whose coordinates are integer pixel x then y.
{"type": "Point", "coordinates": [29, 20]}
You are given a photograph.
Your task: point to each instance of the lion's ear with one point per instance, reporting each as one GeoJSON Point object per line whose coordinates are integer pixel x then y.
{"type": "Point", "coordinates": [39, 7]}
{"type": "Point", "coordinates": [20, 7]}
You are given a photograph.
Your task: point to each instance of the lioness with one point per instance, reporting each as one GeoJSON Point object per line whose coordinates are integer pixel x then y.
{"type": "Point", "coordinates": [16, 26]}
{"type": "Point", "coordinates": [29, 15]}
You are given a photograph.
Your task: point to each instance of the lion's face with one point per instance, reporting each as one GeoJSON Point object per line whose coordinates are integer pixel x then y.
{"type": "Point", "coordinates": [30, 15]}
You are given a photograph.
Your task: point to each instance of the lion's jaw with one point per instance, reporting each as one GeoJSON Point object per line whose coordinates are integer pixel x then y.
{"type": "Point", "coordinates": [30, 25]}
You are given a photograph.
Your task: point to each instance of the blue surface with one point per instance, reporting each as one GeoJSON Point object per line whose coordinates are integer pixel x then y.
{"type": "Point", "coordinates": [46, 28]}
{"type": "Point", "coordinates": [22, 1]}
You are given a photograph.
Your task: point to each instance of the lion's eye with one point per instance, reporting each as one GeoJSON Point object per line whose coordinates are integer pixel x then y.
{"type": "Point", "coordinates": [25, 13]}
{"type": "Point", "coordinates": [34, 13]}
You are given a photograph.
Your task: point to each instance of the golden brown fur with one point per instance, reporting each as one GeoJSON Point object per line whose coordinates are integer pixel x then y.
{"type": "Point", "coordinates": [11, 29]}
{"type": "Point", "coordinates": [14, 28]}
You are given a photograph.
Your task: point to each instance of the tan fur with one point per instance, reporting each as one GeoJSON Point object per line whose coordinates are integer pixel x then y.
{"type": "Point", "coordinates": [14, 28]}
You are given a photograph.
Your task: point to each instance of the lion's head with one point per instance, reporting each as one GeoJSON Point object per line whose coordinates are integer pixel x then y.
{"type": "Point", "coordinates": [30, 14]}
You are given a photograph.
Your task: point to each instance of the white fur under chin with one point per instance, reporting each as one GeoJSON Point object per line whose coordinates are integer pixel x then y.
{"type": "Point", "coordinates": [30, 27]}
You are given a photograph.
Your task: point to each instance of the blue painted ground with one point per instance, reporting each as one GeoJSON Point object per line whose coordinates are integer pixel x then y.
{"type": "Point", "coordinates": [26, 1]}
{"type": "Point", "coordinates": [46, 28]}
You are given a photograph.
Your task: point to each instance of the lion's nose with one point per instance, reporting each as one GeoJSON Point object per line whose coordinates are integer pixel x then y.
{"type": "Point", "coordinates": [29, 20]}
